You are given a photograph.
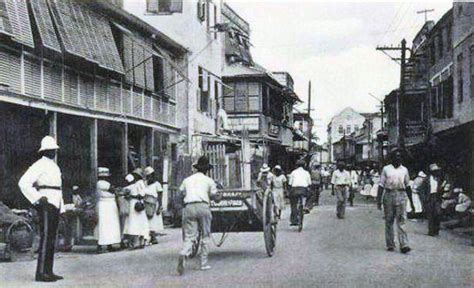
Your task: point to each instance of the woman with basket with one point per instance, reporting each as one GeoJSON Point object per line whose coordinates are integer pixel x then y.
{"type": "Point", "coordinates": [152, 204]}
{"type": "Point", "coordinates": [108, 228]}
{"type": "Point", "coordinates": [136, 224]}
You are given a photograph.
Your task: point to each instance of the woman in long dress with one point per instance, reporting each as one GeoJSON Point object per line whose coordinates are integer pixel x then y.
{"type": "Point", "coordinates": [136, 224]}
{"type": "Point", "coordinates": [278, 189]}
{"type": "Point", "coordinates": [374, 174]}
{"type": "Point", "coordinates": [153, 192]}
{"type": "Point", "coordinates": [108, 227]}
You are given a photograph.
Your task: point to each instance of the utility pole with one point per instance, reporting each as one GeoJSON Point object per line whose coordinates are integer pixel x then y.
{"type": "Point", "coordinates": [401, 94]}
{"type": "Point", "coordinates": [310, 124]}
{"type": "Point", "coordinates": [425, 11]}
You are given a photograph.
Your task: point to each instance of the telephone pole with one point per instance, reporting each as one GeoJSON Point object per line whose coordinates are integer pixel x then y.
{"type": "Point", "coordinates": [425, 11]}
{"type": "Point", "coordinates": [310, 124]}
{"type": "Point", "coordinates": [401, 94]}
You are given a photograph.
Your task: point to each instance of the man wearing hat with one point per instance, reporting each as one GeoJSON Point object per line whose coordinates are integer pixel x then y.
{"type": "Point", "coordinates": [198, 190]}
{"type": "Point", "coordinates": [432, 189]}
{"type": "Point", "coordinates": [41, 185]}
{"type": "Point", "coordinates": [265, 176]}
{"type": "Point", "coordinates": [394, 187]}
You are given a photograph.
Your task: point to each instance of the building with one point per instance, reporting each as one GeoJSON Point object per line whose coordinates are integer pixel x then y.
{"type": "Point", "coordinates": [255, 100]}
{"type": "Point", "coordinates": [302, 127]}
{"type": "Point", "coordinates": [344, 123]}
{"type": "Point", "coordinates": [367, 147]}
{"type": "Point", "coordinates": [197, 25]}
{"type": "Point", "coordinates": [105, 86]}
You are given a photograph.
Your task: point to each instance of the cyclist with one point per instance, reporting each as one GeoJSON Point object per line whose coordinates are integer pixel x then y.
{"type": "Point", "coordinates": [300, 180]}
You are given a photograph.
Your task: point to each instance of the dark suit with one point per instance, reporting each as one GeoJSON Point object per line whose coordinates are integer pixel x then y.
{"type": "Point", "coordinates": [48, 226]}
{"type": "Point", "coordinates": [432, 205]}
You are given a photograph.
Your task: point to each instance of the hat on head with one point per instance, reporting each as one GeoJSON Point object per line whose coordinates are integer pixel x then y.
{"type": "Point", "coordinates": [103, 172]}
{"type": "Point", "coordinates": [138, 171]}
{"type": "Point", "coordinates": [202, 163]}
{"type": "Point", "coordinates": [129, 178]}
{"type": "Point", "coordinates": [300, 163]}
{"type": "Point", "coordinates": [434, 167]}
{"type": "Point", "coordinates": [149, 170]}
{"type": "Point", "coordinates": [48, 143]}
{"type": "Point", "coordinates": [447, 187]}
{"type": "Point", "coordinates": [277, 167]}
{"type": "Point", "coordinates": [264, 168]}
{"type": "Point", "coordinates": [421, 174]}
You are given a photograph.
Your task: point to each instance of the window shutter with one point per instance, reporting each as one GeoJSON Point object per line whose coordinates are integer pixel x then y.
{"type": "Point", "coordinates": [20, 22]}
{"type": "Point", "coordinates": [5, 24]}
{"type": "Point", "coordinates": [176, 6]}
{"type": "Point", "coordinates": [152, 6]}
{"type": "Point", "coordinates": [201, 10]}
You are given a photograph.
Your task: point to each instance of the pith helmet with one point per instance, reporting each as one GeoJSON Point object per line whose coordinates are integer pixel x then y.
{"type": "Point", "coordinates": [48, 143]}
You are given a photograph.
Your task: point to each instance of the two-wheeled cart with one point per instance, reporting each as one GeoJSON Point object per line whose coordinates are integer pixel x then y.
{"type": "Point", "coordinates": [243, 211]}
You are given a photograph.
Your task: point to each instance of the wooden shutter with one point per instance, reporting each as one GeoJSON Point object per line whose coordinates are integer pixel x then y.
{"type": "Point", "coordinates": [5, 25]}
{"type": "Point", "coordinates": [86, 88]}
{"type": "Point", "coordinates": [149, 73]}
{"type": "Point", "coordinates": [114, 97]}
{"type": "Point", "coordinates": [44, 24]}
{"type": "Point", "coordinates": [70, 87]}
{"type": "Point", "coordinates": [32, 72]}
{"type": "Point", "coordinates": [128, 58]}
{"type": "Point", "coordinates": [20, 22]}
{"type": "Point", "coordinates": [10, 69]}
{"type": "Point", "coordinates": [52, 81]}
{"type": "Point", "coordinates": [176, 6]}
{"type": "Point", "coordinates": [139, 65]}
{"type": "Point", "coordinates": [101, 87]}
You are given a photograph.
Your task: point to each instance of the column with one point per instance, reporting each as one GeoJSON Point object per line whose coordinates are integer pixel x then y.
{"type": "Point", "coordinates": [93, 152]}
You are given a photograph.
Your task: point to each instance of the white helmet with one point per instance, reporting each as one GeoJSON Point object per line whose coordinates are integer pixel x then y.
{"type": "Point", "coordinates": [48, 143]}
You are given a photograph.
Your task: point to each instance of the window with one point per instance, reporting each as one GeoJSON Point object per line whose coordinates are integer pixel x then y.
{"type": "Point", "coordinates": [158, 74]}
{"type": "Point", "coordinates": [340, 129]}
{"type": "Point", "coordinates": [432, 53]}
{"type": "Point", "coordinates": [356, 128]}
{"type": "Point", "coordinates": [449, 38]}
{"type": "Point", "coordinates": [348, 129]}
{"type": "Point", "coordinates": [440, 44]}
{"type": "Point", "coordinates": [203, 92]}
{"type": "Point", "coordinates": [4, 20]}
{"type": "Point", "coordinates": [460, 63]}
{"type": "Point", "coordinates": [164, 6]}
{"type": "Point", "coordinates": [202, 10]}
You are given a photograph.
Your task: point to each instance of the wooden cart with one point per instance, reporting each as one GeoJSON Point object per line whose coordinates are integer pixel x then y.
{"type": "Point", "coordinates": [243, 211]}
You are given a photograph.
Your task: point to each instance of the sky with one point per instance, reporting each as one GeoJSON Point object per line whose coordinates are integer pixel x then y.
{"type": "Point", "coordinates": [333, 45]}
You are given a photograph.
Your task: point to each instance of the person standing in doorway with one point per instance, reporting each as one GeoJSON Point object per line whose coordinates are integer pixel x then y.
{"type": "Point", "coordinates": [394, 188]}
{"type": "Point", "coordinates": [432, 189]}
{"type": "Point", "coordinates": [198, 190]}
{"type": "Point", "coordinates": [340, 180]}
{"type": "Point", "coordinates": [300, 181]}
{"type": "Point", "coordinates": [42, 186]}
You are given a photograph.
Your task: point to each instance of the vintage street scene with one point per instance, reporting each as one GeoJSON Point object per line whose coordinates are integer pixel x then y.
{"type": "Point", "coordinates": [236, 143]}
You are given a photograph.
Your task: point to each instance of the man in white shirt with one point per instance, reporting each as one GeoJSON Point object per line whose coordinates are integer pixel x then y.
{"type": "Point", "coordinates": [432, 188]}
{"type": "Point", "coordinates": [340, 180]}
{"type": "Point", "coordinates": [299, 181]}
{"type": "Point", "coordinates": [394, 187]}
{"type": "Point", "coordinates": [198, 190]}
{"type": "Point", "coordinates": [41, 185]}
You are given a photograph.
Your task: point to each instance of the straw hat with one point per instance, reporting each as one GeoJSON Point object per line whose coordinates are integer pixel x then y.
{"type": "Point", "coordinates": [103, 172]}
{"type": "Point", "coordinates": [277, 167]}
{"type": "Point", "coordinates": [148, 171]}
{"type": "Point", "coordinates": [434, 167]}
{"type": "Point", "coordinates": [265, 168]}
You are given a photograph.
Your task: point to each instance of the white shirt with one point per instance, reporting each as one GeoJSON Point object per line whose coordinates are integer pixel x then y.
{"type": "Point", "coordinates": [153, 189]}
{"type": "Point", "coordinates": [300, 178]}
{"type": "Point", "coordinates": [278, 181]}
{"type": "Point", "coordinates": [198, 188]}
{"type": "Point", "coordinates": [341, 177]}
{"type": "Point", "coordinates": [103, 188]}
{"type": "Point", "coordinates": [433, 185]}
{"type": "Point", "coordinates": [44, 172]}
{"type": "Point", "coordinates": [394, 178]}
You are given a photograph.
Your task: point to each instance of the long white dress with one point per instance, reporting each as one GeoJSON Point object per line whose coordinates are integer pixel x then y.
{"type": "Point", "coordinates": [156, 222]}
{"type": "Point", "coordinates": [137, 223]}
{"type": "Point", "coordinates": [108, 227]}
{"type": "Point", "coordinates": [278, 191]}
{"type": "Point", "coordinates": [375, 188]}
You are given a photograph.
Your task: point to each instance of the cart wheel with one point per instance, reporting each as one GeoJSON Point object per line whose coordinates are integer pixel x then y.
{"type": "Point", "coordinates": [269, 225]}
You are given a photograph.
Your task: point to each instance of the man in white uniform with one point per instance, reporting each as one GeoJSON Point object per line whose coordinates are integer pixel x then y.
{"type": "Point", "coordinates": [394, 187]}
{"type": "Point", "coordinates": [41, 185]}
{"type": "Point", "coordinates": [198, 190]}
{"type": "Point", "coordinates": [300, 181]}
{"type": "Point", "coordinates": [340, 180]}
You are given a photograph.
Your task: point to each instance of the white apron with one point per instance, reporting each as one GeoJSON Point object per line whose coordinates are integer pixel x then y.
{"type": "Point", "coordinates": [278, 191]}
{"type": "Point", "coordinates": [156, 222]}
{"type": "Point", "coordinates": [108, 227]}
{"type": "Point", "coordinates": [136, 223]}
{"type": "Point", "coordinates": [375, 188]}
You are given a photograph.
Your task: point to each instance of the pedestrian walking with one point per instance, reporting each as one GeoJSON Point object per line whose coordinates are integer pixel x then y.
{"type": "Point", "coordinates": [394, 187]}
{"type": "Point", "coordinates": [198, 191]}
{"type": "Point", "coordinates": [153, 193]}
{"type": "Point", "coordinates": [316, 184]}
{"type": "Point", "coordinates": [136, 224]}
{"type": "Point", "coordinates": [42, 186]}
{"type": "Point", "coordinates": [341, 180]}
{"type": "Point", "coordinates": [279, 185]}
{"type": "Point", "coordinates": [108, 227]}
{"type": "Point", "coordinates": [300, 181]}
{"type": "Point", "coordinates": [432, 190]}
{"type": "Point", "coordinates": [325, 175]}
{"type": "Point", "coordinates": [265, 176]}
{"type": "Point", "coordinates": [354, 184]}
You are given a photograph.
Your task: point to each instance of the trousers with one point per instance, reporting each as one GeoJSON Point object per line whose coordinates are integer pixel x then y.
{"type": "Point", "coordinates": [433, 213]}
{"type": "Point", "coordinates": [295, 194]}
{"type": "Point", "coordinates": [48, 226]}
{"type": "Point", "coordinates": [394, 205]}
{"type": "Point", "coordinates": [341, 195]}
{"type": "Point", "coordinates": [313, 196]}
{"type": "Point", "coordinates": [197, 218]}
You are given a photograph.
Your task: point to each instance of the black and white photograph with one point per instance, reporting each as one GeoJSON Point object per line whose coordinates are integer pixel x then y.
{"type": "Point", "coordinates": [236, 143]}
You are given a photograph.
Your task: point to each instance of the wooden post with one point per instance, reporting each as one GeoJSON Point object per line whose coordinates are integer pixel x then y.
{"type": "Point", "coordinates": [125, 149]}
{"type": "Point", "coordinates": [53, 124]}
{"type": "Point", "coordinates": [151, 147]}
{"type": "Point", "coordinates": [94, 152]}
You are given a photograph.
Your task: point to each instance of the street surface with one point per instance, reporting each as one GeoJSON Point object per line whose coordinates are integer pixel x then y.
{"type": "Point", "coordinates": [328, 253]}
